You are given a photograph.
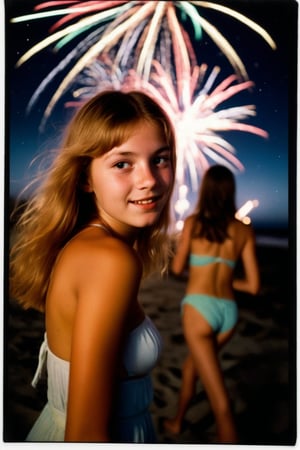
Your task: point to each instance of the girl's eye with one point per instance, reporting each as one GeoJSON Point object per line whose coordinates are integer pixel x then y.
{"type": "Point", "coordinates": [122, 165]}
{"type": "Point", "coordinates": [161, 160]}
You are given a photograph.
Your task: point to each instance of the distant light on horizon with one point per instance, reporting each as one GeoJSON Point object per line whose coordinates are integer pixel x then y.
{"type": "Point", "coordinates": [241, 214]}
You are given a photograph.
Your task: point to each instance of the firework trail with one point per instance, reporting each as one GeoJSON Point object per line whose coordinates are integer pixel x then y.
{"type": "Point", "coordinates": [142, 45]}
{"type": "Point", "coordinates": [137, 32]}
{"type": "Point", "coordinates": [198, 118]}
{"type": "Point", "coordinates": [194, 106]}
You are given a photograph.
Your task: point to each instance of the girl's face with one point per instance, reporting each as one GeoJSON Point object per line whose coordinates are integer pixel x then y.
{"type": "Point", "coordinates": [132, 182]}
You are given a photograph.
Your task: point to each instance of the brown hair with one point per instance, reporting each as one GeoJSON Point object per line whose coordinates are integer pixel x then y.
{"type": "Point", "coordinates": [216, 204]}
{"type": "Point", "coordinates": [61, 206]}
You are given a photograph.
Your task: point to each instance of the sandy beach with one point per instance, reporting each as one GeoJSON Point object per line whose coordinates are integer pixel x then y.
{"type": "Point", "coordinates": [258, 363]}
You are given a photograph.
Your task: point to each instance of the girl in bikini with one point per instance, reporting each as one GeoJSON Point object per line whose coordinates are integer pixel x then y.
{"type": "Point", "coordinates": [95, 226]}
{"type": "Point", "coordinates": [212, 241]}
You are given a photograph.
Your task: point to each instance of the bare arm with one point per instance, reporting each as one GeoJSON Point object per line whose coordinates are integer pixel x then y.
{"type": "Point", "coordinates": [111, 282]}
{"type": "Point", "coordinates": [251, 281]}
{"type": "Point", "coordinates": [183, 248]}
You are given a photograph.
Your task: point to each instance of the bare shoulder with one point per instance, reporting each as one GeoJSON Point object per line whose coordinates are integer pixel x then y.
{"type": "Point", "coordinates": [246, 229]}
{"type": "Point", "coordinates": [190, 222]}
{"type": "Point", "coordinates": [242, 232]}
{"type": "Point", "coordinates": [93, 250]}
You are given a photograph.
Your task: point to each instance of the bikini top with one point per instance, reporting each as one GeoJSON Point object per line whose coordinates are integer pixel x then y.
{"type": "Point", "coordinates": [203, 260]}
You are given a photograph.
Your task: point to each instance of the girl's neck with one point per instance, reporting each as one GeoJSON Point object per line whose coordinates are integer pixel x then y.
{"type": "Point", "coordinates": [129, 238]}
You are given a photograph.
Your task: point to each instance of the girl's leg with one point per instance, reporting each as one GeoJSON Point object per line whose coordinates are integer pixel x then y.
{"type": "Point", "coordinates": [203, 346]}
{"type": "Point", "coordinates": [187, 390]}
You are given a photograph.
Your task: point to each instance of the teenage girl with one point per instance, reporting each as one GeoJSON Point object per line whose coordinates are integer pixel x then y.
{"type": "Point", "coordinates": [96, 225]}
{"type": "Point", "coordinates": [212, 241]}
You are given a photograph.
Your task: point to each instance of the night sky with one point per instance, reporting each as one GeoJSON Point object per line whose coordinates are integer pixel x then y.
{"type": "Point", "coordinates": [269, 164]}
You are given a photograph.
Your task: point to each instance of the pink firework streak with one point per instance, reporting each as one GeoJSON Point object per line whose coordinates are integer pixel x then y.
{"type": "Point", "coordinates": [196, 121]}
{"type": "Point", "coordinates": [137, 32]}
{"type": "Point", "coordinates": [194, 107]}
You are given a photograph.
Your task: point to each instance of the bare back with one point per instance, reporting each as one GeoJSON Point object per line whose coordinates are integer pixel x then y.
{"type": "Point", "coordinates": [214, 276]}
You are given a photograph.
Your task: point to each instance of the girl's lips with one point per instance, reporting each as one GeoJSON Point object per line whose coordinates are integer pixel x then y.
{"type": "Point", "coordinates": [147, 203]}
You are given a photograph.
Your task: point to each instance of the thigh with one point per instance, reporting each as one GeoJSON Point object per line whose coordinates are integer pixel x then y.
{"type": "Point", "coordinates": [189, 365]}
{"type": "Point", "coordinates": [202, 344]}
{"type": "Point", "coordinates": [195, 320]}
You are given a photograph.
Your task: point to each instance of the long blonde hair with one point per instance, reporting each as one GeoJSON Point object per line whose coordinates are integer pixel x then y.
{"type": "Point", "coordinates": [61, 206]}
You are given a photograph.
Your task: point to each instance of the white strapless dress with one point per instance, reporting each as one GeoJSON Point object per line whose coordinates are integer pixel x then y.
{"type": "Point", "coordinates": [133, 422]}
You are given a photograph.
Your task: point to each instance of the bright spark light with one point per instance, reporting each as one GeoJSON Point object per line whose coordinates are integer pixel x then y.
{"type": "Point", "coordinates": [241, 214]}
{"type": "Point", "coordinates": [136, 31]}
{"type": "Point", "coordinates": [182, 205]}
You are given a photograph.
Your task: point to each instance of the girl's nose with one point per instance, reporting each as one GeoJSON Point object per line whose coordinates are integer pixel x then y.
{"type": "Point", "coordinates": [146, 177]}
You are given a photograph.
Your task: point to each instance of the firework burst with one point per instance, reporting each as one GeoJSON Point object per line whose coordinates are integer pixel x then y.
{"type": "Point", "coordinates": [137, 32]}
{"type": "Point", "coordinates": [196, 112]}
{"type": "Point", "coordinates": [194, 106]}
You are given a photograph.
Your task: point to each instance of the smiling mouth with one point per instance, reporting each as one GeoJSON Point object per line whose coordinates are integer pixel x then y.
{"type": "Point", "coordinates": [146, 201]}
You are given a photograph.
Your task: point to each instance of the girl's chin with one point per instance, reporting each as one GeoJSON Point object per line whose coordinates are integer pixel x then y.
{"type": "Point", "coordinates": [147, 222]}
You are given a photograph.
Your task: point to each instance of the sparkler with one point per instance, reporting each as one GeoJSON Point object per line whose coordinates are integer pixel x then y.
{"type": "Point", "coordinates": [241, 214]}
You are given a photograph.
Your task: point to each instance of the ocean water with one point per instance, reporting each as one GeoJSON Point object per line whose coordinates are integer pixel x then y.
{"type": "Point", "coordinates": [272, 241]}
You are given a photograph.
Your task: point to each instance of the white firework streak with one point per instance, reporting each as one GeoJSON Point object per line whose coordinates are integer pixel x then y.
{"type": "Point", "coordinates": [160, 28]}
{"type": "Point", "coordinates": [196, 121]}
{"type": "Point", "coordinates": [195, 110]}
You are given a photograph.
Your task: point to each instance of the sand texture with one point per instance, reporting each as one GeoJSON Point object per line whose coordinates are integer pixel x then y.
{"type": "Point", "coordinates": [258, 363]}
